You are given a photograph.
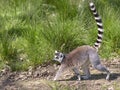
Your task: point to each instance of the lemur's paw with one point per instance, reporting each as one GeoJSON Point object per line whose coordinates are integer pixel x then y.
{"type": "Point", "coordinates": [108, 77]}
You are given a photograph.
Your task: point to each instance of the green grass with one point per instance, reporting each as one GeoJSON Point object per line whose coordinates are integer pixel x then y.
{"type": "Point", "coordinates": [30, 30]}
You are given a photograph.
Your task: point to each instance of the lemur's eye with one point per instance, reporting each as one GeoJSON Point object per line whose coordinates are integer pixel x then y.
{"type": "Point", "coordinates": [57, 57]}
{"type": "Point", "coordinates": [61, 56]}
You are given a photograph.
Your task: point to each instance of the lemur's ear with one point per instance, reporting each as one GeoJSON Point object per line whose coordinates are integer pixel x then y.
{"type": "Point", "coordinates": [56, 51]}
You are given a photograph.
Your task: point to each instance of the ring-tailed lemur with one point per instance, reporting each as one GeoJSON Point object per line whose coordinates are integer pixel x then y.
{"type": "Point", "coordinates": [83, 55]}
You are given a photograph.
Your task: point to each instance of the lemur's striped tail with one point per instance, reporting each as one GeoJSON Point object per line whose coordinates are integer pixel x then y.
{"type": "Point", "coordinates": [99, 24]}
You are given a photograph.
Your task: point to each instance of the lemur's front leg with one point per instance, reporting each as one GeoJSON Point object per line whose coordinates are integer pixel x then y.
{"type": "Point", "coordinates": [59, 72]}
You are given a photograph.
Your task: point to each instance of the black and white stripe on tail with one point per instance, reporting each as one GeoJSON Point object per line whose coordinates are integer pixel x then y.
{"type": "Point", "coordinates": [99, 24]}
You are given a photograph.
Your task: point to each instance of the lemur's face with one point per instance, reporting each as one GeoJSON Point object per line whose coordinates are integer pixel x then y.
{"type": "Point", "coordinates": [58, 56]}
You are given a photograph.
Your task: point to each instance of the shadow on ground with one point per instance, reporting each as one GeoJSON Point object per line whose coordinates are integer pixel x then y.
{"type": "Point", "coordinates": [113, 76]}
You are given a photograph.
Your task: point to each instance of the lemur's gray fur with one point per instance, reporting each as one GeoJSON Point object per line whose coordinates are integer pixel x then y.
{"type": "Point", "coordinates": [83, 55]}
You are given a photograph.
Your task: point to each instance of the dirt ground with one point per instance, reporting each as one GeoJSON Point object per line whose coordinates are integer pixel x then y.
{"type": "Point", "coordinates": [41, 78]}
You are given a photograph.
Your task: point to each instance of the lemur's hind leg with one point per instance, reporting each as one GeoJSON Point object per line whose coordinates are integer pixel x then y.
{"type": "Point", "coordinates": [95, 61]}
{"type": "Point", "coordinates": [76, 71]}
{"type": "Point", "coordinates": [102, 68]}
{"type": "Point", "coordinates": [86, 70]}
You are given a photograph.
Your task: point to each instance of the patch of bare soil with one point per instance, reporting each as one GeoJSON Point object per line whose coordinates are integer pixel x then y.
{"type": "Point", "coordinates": [41, 78]}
